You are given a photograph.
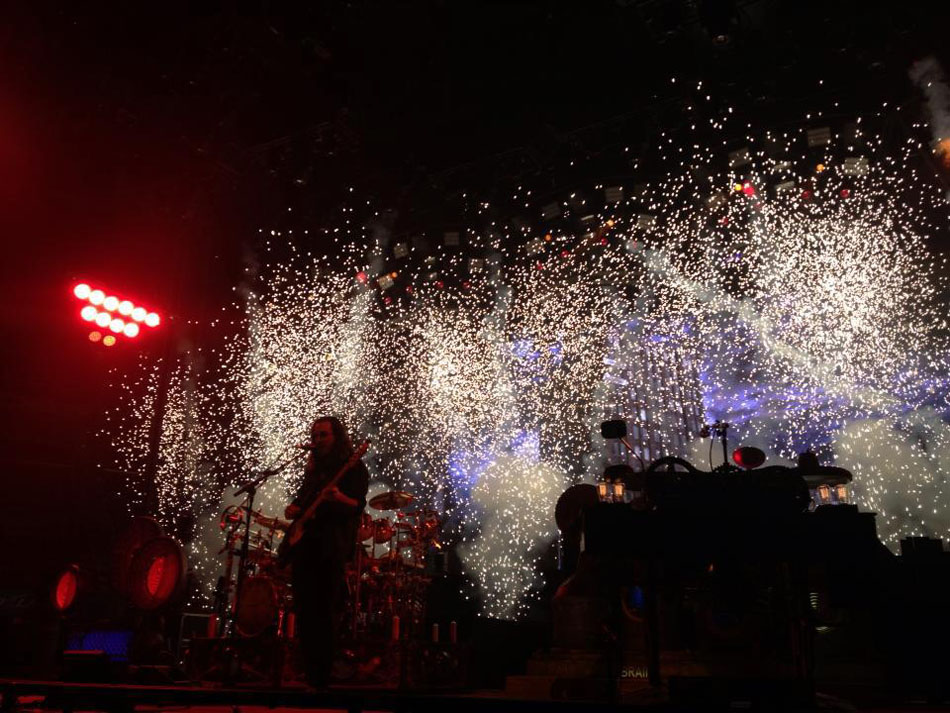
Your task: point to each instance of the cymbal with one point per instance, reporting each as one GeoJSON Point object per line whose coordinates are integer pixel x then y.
{"type": "Point", "coordinates": [393, 500]}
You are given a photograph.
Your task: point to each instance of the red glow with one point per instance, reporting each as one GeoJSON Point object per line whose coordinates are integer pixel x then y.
{"type": "Point", "coordinates": [565, 253]}
{"type": "Point", "coordinates": [845, 193]}
{"type": "Point", "coordinates": [748, 189]}
{"type": "Point", "coordinates": [408, 289]}
{"type": "Point", "coordinates": [64, 593]}
{"type": "Point", "coordinates": [439, 284]}
{"type": "Point", "coordinates": [155, 576]}
{"type": "Point", "coordinates": [361, 277]}
{"type": "Point", "coordinates": [95, 336]}
{"type": "Point", "coordinates": [88, 313]}
{"type": "Point", "coordinates": [152, 319]}
{"type": "Point", "coordinates": [82, 290]}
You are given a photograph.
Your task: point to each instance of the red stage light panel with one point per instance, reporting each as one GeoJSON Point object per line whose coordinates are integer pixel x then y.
{"type": "Point", "coordinates": [97, 299]}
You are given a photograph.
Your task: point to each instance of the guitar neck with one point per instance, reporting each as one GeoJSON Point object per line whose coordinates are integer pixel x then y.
{"type": "Point", "coordinates": [351, 461]}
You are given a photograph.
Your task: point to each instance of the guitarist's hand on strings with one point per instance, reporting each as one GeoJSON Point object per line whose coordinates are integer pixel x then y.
{"type": "Point", "coordinates": [334, 495]}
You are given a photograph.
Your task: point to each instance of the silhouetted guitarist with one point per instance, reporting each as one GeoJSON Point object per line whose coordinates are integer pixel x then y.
{"type": "Point", "coordinates": [327, 544]}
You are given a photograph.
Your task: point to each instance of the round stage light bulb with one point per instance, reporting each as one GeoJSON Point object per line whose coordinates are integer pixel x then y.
{"type": "Point", "coordinates": [116, 325]}
{"type": "Point", "coordinates": [95, 336]}
{"type": "Point", "coordinates": [152, 319]}
{"type": "Point", "coordinates": [88, 313]}
{"type": "Point", "coordinates": [125, 308]}
{"type": "Point", "coordinates": [131, 329]}
{"type": "Point", "coordinates": [82, 290]}
{"type": "Point", "coordinates": [108, 340]}
{"type": "Point", "coordinates": [138, 314]}
{"type": "Point", "coordinates": [97, 297]}
{"type": "Point", "coordinates": [110, 303]}
{"type": "Point", "coordinates": [103, 319]}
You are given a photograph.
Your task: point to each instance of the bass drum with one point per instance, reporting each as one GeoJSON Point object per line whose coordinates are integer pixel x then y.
{"type": "Point", "coordinates": [260, 605]}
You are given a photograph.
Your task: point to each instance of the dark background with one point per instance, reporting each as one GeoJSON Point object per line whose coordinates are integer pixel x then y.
{"type": "Point", "coordinates": [143, 146]}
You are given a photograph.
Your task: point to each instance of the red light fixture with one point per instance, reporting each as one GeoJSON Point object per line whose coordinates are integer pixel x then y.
{"type": "Point", "coordinates": [157, 573]}
{"type": "Point", "coordinates": [109, 311]}
{"type": "Point", "coordinates": [65, 588]}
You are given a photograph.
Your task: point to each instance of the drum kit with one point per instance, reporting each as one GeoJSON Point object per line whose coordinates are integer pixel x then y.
{"type": "Point", "coordinates": [386, 580]}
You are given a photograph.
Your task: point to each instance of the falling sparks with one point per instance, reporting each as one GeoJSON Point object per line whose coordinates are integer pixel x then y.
{"type": "Point", "coordinates": [803, 307]}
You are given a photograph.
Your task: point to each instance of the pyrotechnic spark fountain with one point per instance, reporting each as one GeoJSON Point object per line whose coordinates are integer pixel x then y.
{"type": "Point", "coordinates": [807, 302]}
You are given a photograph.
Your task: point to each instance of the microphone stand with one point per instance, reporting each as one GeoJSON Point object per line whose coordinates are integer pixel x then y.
{"type": "Point", "coordinates": [250, 487]}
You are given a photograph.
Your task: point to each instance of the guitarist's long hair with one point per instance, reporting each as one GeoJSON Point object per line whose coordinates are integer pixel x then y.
{"type": "Point", "coordinates": [342, 445]}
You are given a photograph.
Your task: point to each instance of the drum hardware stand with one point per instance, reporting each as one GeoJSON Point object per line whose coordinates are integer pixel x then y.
{"type": "Point", "coordinates": [718, 429]}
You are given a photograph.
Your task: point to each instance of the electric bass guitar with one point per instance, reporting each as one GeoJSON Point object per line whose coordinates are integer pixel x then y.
{"type": "Point", "coordinates": [295, 532]}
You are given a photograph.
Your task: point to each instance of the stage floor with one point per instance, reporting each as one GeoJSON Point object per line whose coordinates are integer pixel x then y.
{"type": "Point", "coordinates": [36, 695]}
{"type": "Point", "coordinates": [54, 695]}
